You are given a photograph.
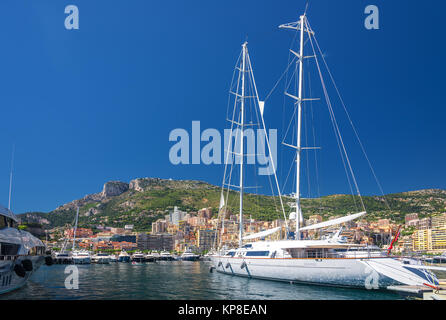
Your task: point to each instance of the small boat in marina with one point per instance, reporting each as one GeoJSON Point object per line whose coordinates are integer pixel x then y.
{"type": "Point", "coordinates": [156, 255]}
{"type": "Point", "coordinates": [124, 257]}
{"type": "Point", "coordinates": [166, 256]}
{"type": "Point", "coordinates": [189, 256]}
{"type": "Point", "coordinates": [101, 258]}
{"type": "Point", "coordinates": [63, 257]}
{"type": "Point", "coordinates": [149, 258]}
{"type": "Point", "coordinates": [113, 258]}
{"type": "Point", "coordinates": [138, 258]}
{"type": "Point", "coordinates": [81, 257]}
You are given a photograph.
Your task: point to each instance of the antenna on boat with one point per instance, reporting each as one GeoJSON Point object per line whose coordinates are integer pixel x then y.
{"type": "Point", "coordinates": [10, 177]}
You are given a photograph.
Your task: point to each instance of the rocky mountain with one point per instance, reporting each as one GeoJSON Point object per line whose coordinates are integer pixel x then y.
{"type": "Point", "coordinates": [145, 200]}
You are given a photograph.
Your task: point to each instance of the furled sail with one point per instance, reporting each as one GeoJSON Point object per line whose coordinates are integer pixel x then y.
{"type": "Point", "coordinates": [262, 234]}
{"type": "Point", "coordinates": [222, 201]}
{"type": "Point", "coordinates": [261, 107]}
{"type": "Point", "coordinates": [334, 221]}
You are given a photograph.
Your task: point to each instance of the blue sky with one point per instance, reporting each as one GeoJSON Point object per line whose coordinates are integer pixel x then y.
{"type": "Point", "coordinates": [96, 104]}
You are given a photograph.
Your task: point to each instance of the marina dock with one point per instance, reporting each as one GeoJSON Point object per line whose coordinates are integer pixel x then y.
{"type": "Point", "coordinates": [421, 292]}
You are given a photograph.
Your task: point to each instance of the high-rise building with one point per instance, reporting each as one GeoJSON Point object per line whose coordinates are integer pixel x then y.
{"type": "Point", "coordinates": [424, 223]}
{"type": "Point", "coordinates": [439, 240]}
{"type": "Point", "coordinates": [142, 241]}
{"type": "Point", "coordinates": [159, 226]}
{"type": "Point", "coordinates": [411, 216]}
{"type": "Point", "coordinates": [205, 213]}
{"type": "Point", "coordinates": [155, 241]}
{"type": "Point", "coordinates": [422, 240]}
{"type": "Point", "coordinates": [175, 216]}
{"type": "Point", "coordinates": [206, 239]}
{"type": "Point", "coordinates": [439, 222]}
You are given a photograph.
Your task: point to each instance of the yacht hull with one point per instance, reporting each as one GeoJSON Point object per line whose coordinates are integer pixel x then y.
{"type": "Point", "coordinates": [124, 259]}
{"type": "Point", "coordinates": [9, 280]}
{"type": "Point", "coordinates": [194, 258]}
{"type": "Point", "coordinates": [83, 260]}
{"type": "Point", "coordinates": [346, 272]}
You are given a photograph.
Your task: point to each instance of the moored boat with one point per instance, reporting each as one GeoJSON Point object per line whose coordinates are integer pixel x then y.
{"type": "Point", "coordinates": [63, 257]}
{"type": "Point", "coordinates": [81, 257]}
{"type": "Point", "coordinates": [149, 257]}
{"type": "Point", "coordinates": [21, 254]}
{"type": "Point", "coordinates": [138, 258]}
{"type": "Point", "coordinates": [123, 257]}
{"type": "Point", "coordinates": [296, 259]}
{"type": "Point", "coordinates": [166, 256]}
{"type": "Point", "coordinates": [189, 256]}
{"type": "Point", "coordinates": [101, 258]}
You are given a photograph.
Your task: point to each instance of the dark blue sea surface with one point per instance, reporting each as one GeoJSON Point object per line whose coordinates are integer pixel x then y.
{"type": "Point", "coordinates": [173, 280]}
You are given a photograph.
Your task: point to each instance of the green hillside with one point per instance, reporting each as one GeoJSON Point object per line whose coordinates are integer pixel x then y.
{"type": "Point", "coordinates": [145, 200]}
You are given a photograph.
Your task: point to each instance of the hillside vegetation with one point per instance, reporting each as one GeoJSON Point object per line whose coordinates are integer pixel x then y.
{"type": "Point", "coordinates": [145, 200]}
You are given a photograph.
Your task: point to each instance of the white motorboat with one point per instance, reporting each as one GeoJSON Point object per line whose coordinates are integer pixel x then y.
{"type": "Point", "coordinates": [331, 261]}
{"type": "Point", "coordinates": [123, 257]}
{"type": "Point", "coordinates": [165, 256]}
{"type": "Point", "coordinates": [149, 258]}
{"type": "Point", "coordinates": [156, 255]}
{"type": "Point", "coordinates": [101, 258]}
{"type": "Point", "coordinates": [63, 257]}
{"type": "Point", "coordinates": [189, 256]}
{"type": "Point", "coordinates": [81, 257]}
{"type": "Point", "coordinates": [138, 258]}
{"type": "Point", "coordinates": [21, 254]}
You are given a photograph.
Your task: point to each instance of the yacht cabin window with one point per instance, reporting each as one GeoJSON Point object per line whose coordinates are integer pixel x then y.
{"type": "Point", "coordinates": [3, 223]}
{"type": "Point", "coordinates": [257, 254]}
{"type": "Point", "coordinates": [8, 249]}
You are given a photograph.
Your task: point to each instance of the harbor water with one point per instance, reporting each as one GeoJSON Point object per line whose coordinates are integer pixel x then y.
{"type": "Point", "coordinates": [173, 281]}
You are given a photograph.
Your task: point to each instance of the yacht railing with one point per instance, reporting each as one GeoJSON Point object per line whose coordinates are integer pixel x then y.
{"type": "Point", "coordinates": [8, 257]}
{"type": "Point", "coordinates": [339, 255]}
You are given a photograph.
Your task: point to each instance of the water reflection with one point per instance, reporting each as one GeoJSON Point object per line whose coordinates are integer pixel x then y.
{"type": "Point", "coordinates": [172, 280]}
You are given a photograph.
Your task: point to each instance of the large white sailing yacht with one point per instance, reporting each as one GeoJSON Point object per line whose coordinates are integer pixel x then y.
{"type": "Point", "coordinates": [330, 261]}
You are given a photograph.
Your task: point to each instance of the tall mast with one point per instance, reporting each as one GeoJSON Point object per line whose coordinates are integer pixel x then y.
{"type": "Point", "coordinates": [75, 227]}
{"type": "Point", "coordinates": [10, 177]}
{"type": "Point", "coordinates": [299, 126]}
{"type": "Point", "coordinates": [242, 100]}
